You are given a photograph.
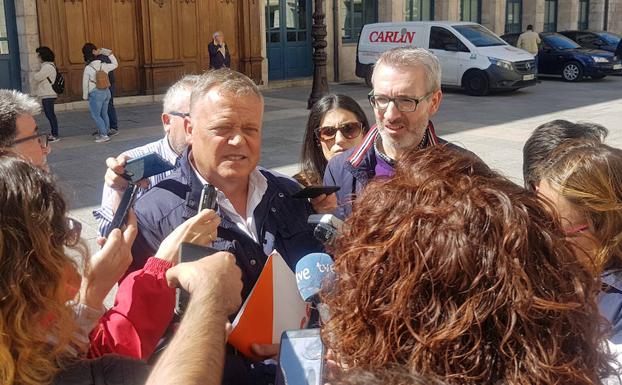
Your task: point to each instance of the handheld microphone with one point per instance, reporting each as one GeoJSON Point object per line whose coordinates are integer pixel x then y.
{"type": "Point", "coordinates": [327, 227]}
{"type": "Point", "coordinates": [313, 271]}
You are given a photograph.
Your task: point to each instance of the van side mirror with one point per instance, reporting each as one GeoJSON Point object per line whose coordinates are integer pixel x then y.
{"type": "Point", "coordinates": [452, 47]}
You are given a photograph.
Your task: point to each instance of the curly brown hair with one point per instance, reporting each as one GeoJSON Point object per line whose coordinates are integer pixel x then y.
{"type": "Point", "coordinates": [36, 327]}
{"type": "Point", "coordinates": [454, 271]}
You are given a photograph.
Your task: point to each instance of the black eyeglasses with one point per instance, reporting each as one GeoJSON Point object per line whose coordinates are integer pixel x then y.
{"type": "Point", "coordinates": [349, 130]}
{"type": "Point", "coordinates": [42, 138]}
{"type": "Point", "coordinates": [180, 114]}
{"type": "Point", "coordinates": [403, 103]}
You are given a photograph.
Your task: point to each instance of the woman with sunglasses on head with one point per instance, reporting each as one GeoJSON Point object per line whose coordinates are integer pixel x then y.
{"type": "Point", "coordinates": [583, 181]}
{"type": "Point", "coordinates": [336, 123]}
{"type": "Point", "coordinates": [47, 309]}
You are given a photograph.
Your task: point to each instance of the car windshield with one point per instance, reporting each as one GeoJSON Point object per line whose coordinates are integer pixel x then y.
{"type": "Point", "coordinates": [560, 42]}
{"type": "Point", "coordinates": [478, 35]}
{"type": "Point", "coordinates": [610, 38]}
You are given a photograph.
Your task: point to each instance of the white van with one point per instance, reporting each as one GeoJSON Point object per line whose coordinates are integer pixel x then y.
{"type": "Point", "coordinates": [471, 56]}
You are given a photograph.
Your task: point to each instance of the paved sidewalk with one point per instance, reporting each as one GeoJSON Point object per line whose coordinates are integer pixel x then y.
{"type": "Point", "coordinates": [495, 127]}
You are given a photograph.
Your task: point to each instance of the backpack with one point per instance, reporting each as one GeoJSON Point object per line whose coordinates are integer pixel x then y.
{"type": "Point", "coordinates": [59, 82]}
{"type": "Point", "coordinates": [102, 81]}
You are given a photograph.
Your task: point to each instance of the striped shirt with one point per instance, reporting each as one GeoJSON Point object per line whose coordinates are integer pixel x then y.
{"type": "Point", "coordinates": [161, 147]}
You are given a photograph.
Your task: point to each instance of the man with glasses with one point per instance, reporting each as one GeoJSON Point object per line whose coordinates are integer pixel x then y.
{"type": "Point", "coordinates": [18, 129]}
{"type": "Point", "coordinates": [406, 94]}
{"type": "Point", "coordinates": [176, 105]}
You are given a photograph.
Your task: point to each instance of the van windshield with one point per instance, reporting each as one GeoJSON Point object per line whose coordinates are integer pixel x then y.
{"type": "Point", "coordinates": [479, 36]}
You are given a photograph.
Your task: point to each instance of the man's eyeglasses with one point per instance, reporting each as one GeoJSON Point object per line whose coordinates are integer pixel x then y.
{"type": "Point", "coordinates": [180, 114]}
{"type": "Point", "coordinates": [403, 103]}
{"type": "Point", "coordinates": [349, 130]}
{"type": "Point", "coordinates": [42, 138]}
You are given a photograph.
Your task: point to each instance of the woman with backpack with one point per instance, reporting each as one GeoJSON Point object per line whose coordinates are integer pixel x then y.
{"type": "Point", "coordinates": [96, 87]}
{"type": "Point", "coordinates": [45, 80]}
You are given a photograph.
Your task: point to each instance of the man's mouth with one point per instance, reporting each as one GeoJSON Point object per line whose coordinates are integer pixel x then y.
{"type": "Point", "coordinates": [234, 158]}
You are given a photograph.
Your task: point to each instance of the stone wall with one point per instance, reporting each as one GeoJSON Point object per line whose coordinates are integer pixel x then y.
{"type": "Point", "coordinates": [28, 40]}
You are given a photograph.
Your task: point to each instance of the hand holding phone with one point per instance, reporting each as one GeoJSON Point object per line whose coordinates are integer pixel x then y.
{"type": "Point", "coordinates": [311, 192]}
{"type": "Point", "coordinates": [189, 252]}
{"type": "Point", "coordinates": [301, 358]}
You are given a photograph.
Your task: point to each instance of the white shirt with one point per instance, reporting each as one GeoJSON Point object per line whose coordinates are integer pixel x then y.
{"type": "Point", "coordinates": [88, 76]}
{"type": "Point", "coordinates": [257, 187]}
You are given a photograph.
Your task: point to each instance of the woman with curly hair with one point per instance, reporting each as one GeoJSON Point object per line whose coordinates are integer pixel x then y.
{"type": "Point", "coordinates": [455, 272]}
{"type": "Point", "coordinates": [583, 180]}
{"type": "Point", "coordinates": [46, 308]}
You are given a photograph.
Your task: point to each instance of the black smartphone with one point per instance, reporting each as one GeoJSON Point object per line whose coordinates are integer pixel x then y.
{"type": "Point", "coordinates": [208, 198]}
{"type": "Point", "coordinates": [146, 166]}
{"type": "Point", "coordinates": [301, 358]}
{"type": "Point", "coordinates": [189, 252]}
{"type": "Point", "coordinates": [311, 192]}
{"type": "Point", "coordinates": [120, 216]}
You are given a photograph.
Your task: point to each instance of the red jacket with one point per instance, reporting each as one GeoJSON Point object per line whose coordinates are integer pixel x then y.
{"type": "Point", "coordinates": [142, 311]}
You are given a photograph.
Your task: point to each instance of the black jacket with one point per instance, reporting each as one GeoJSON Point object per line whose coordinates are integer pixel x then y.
{"type": "Point", "coordinates": [107, 370]}
{"type": "Point", "coordinates": [216, 60]}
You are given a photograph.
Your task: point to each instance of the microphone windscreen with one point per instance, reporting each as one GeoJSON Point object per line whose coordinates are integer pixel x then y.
{"type": "Point", "coordinates": [312, 271]}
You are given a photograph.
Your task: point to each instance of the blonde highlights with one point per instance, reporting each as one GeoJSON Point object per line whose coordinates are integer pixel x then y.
{"type": "Point", "coordinates": [36, 327]}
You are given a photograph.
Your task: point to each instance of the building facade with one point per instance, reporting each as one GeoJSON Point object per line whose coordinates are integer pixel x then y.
{"type": "Point", "coordinates": [157, 41]}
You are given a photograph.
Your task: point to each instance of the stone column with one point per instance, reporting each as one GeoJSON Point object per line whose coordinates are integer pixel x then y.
{"type": "Point", "coordinates": [28, 40]}
{"type": "Point", "coordinates": [533, 13]}
{"type": "Point", "coordinates": [567, 15]}
{"type": "Point", "coordinates": [493, 15]}
{"type": "Point", "coordinates": [447, 10]}
{"type": "Point", "coordinates": [615, 16]}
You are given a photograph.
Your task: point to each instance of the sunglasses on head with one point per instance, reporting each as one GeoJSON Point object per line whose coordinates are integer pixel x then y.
{"type": "Point", "coordinates": [349, 130]}
{"type": "Point", "coordinates": [74, 231]}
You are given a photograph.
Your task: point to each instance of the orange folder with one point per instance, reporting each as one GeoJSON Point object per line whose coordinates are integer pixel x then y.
{"type": "Point", "coordinates": [273, 306]}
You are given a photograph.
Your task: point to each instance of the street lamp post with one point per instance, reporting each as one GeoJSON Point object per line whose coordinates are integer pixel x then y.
{"type": "Point", "coordinates": [318, 32]}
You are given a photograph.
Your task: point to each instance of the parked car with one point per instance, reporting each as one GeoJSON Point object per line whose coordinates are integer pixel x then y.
{"type": "Point", "coordinates": [607, 41]}
{"type": "Point", "coordinates": [471, 56]}
{"type": "Point", "coordinates": [559, 55]}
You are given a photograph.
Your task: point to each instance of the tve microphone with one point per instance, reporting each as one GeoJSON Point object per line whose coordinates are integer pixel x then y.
{"type": "Point", "coordinates": [327, 227]}
{"type": "Point", "coordinates": [313, 271]}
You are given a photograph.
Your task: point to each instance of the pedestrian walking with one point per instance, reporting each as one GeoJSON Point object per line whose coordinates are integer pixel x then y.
{"type": "Point", "coordinates": [96, 87]}
{"type": "Point", "coordinates": [44, 79]}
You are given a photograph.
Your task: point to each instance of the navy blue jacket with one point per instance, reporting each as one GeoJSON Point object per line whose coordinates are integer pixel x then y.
{"type": "Point", "coordinates": [278, 216]}
{"type": "Point", "coordinates": [353, 169]}
{"type": "Point", "coordinates": [610, 303]}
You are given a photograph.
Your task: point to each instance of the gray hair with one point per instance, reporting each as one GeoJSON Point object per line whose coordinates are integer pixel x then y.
{"type": "Point", "coordinates": [226, 80]}
{"type": "Point", "coordinates": [405, 58]}
{"type": "Point", "coordinates": [178, 93]}
{"type": "Point", "coordinates": [217, 33]}
{"type": "Point", "coordinates": [13, 104]}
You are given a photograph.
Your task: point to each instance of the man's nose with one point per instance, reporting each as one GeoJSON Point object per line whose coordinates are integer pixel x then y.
{"type": "Point", "coordinates": [392, 113]}
{"type": "Point", "coordinates": [236, 139]}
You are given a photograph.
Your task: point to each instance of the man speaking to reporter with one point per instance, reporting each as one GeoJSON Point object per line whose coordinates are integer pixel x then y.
{"type": "Point", "coordinates": [257, 211]}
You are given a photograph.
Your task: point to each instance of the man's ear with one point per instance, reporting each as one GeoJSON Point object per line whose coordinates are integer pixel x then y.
{"type": "Point", "coordinates": [188, 129]}
{"type": "Point", "coordinates": [166, 121]}
{"type": "Point", "coordinates": [435, 102]}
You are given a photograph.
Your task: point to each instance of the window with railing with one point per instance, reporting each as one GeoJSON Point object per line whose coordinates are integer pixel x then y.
{"type": "Point", "coordinates": [418, 10]}
{"type": "Point", "coordinates": [471, 10]}
{"type": "Point", "coordinates": [550, 16]}
{"type": "Point", "coordinates": [584, 10]}
{"type": "Point", "coordinates": [357, 14]}
{"type": "Point", "coordinates": [513, 16]}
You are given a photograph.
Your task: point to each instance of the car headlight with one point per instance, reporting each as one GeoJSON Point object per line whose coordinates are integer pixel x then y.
{"type": "Point", "coordinates": [600, 59]}
{"type": "Point", "coordinates": [501, 63]}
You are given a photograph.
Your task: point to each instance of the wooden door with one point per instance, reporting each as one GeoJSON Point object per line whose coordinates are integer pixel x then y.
{"type": "Point", "coordinates": [65, 25]}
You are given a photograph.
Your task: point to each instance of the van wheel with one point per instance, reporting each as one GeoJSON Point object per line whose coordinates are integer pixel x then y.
{"type": "Point", "coordinates": [572, 72]}
{"type": "Point", "coordinates": [476, 83]}
{"type": "Point", "coordinates": [370, 71]}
